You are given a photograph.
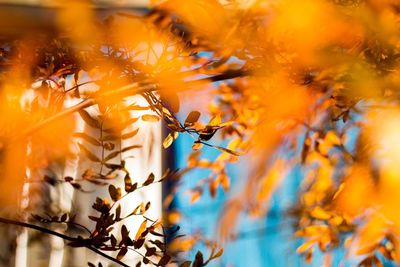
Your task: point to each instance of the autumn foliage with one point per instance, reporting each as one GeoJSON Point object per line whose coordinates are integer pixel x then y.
{"type": "Point", "coordinates": [289, 84]}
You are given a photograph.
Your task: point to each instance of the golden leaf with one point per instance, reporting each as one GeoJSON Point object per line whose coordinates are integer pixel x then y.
{"type": "Point", "coordinates": [141, 229]}
{"type": "Point", "coordinates": [150, 118]}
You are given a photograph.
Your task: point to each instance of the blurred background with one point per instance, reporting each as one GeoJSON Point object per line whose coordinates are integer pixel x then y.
{"type": "Point", "coordinates": [257, 242]}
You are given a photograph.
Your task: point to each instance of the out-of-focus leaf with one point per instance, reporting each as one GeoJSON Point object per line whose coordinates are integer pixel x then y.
{"type": "Point", "coordinates": [108, 146]}
{"type": "Point", "coordinates": [111, 156]}
{"type": "Point", "coordinates": [305, 246]}
{"type": "Point", "coordinates": [89, 154]}
{"type": "Point", "coordinates": [110, 137]}
{"type": "Point", "coordinates": [213, 186]}
{"type": "Point", "coordinates": [64, 217]}
{"type": "Point", "coordinates": [218, 254]}
{"type": "Point", "coordinates": [113, 166]}
{"type": "Point", "coordinates": [174, 217]}
{"type": "Point", "coordinates": [88, 119]}
{"type": "Point", "coordinates": [136, 107]}
{"type": "Point", "coordinates": [130, 148]}
{"type": "Point", "coordinates": [171, 100]}
{"type": "Point", "coordinates": [320, 213]}
{"type": "Point", "coordinates": [228, 151]}
{"type": "Point", "coordinates": [197, 145]}
{"type": "Point", "coordinates": [305, 149]}
{"type": "Point", "coordinates": [196, 194]}
{"type": "Point", "coordinates": [130, 134]}
{"type": "Point", "coordinates": [185, 264]}
{"type": "Point", "coordinates": [87, 138]}
{"type": "Point", "coordinates": [150, 118]}
{"type": "Point", "coordinates": [199, 260]}
{"type": "Point", "coordinates": [68, 179]}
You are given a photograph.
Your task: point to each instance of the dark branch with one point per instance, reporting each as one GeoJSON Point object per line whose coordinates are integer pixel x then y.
{"type": "Point", "coordinates": [65, 237]}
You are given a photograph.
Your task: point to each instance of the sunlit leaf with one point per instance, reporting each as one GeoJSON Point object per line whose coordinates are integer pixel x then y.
{"type": "Point", "coordinates": [141, 229]}
{"type": "Point", "coordinates": [215, 121]}
{"type": "Point", "coordinates": [197, 145]}
{"type": "Point", "coordinates": [150, 118]}
{"type": "Point", "coordinates": [170, 139]}
{"type": "Point", "coordinates": [192, 118]}
{"type": "Point", "coordinates": [149, 180]}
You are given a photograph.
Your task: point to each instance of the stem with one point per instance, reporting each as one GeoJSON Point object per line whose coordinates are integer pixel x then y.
{"type": "Point", "coordinates": [36, 227]}
{"type": "Point", "coordinates": [65, 237]}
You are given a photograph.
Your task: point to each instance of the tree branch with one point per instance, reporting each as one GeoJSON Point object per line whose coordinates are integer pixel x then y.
{"type": "Point", "coordinates": [130, 89]}
{"type": "Point", "coordinates": [65, 237]}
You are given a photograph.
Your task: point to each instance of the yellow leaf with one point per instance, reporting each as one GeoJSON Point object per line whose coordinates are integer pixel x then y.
{"type": "Point", "coordinates": [271, 181]}
{"type": "Point", "coordinates": [150, 118]}
{"type": "Point", "coordinates": [209, 12]}
{"type": "Point", "coordinates": [305, 246]}
{"type": "Point", "coordinates": [174, 217]}
{"type": "Point", "coordinates": [197, 145]}
{"type": "Point", "coordinates": [224, 181]}
{"type": "Point", "coordinates": [196, 194]}
{"type": "Point", "coordinates": [319, 213]}
{"type": "Point", "coordinates": [215, 121]}
{"type": "Point", "coordinates": [336, 221]}
{"type": "Point", "coordinates": [332, 138]}
{"type": "Point", "coordinates": [170, 139]}
{"type": "Point", "coordinates": [182, 244]}
{"type": "Point", "coordinates": [141, 229]}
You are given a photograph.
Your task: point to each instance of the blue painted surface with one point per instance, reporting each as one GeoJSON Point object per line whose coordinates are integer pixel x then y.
{"type": "Point", "coordinates": [265, 242]}
{"type": "Point", "coordinates": [262, 242]}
